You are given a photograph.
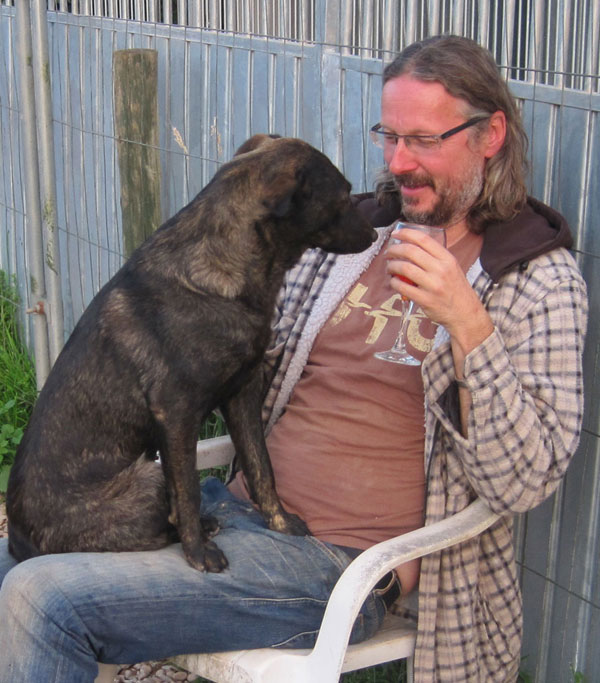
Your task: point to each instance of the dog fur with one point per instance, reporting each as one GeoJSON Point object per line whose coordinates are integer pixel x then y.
{"type": "Point", "coordinates": [179, 331]}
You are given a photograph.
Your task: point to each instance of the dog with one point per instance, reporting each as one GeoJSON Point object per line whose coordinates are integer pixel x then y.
{"type": "Point", "coordinates": [179, 331]}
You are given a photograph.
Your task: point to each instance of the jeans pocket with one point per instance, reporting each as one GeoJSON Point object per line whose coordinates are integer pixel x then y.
{"type": "Point", "coordinates": [373, 610]}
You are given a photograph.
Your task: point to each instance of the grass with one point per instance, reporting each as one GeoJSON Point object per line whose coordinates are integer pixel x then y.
{"type": "Point", "coordinates": [17, 378]}
{"type": "Point", "coordinates": [213, 426]}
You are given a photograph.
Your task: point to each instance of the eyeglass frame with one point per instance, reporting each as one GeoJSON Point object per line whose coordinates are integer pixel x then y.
{"type": "Point", "coordinates": [376, 134]}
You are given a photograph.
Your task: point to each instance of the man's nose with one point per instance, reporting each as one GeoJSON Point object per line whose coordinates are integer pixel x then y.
{"type": "Point", "coordinates": [402, 159]}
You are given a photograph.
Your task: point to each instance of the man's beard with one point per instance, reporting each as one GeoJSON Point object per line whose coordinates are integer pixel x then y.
{"type": "Point", "coordinates": [454, 200]}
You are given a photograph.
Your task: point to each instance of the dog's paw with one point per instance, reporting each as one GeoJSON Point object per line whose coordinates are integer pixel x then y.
{"type": "Point", "coordinates": [210, 525]}
{"type": "Point", "coordinates": [207, 558]}
{"type": "Point", "coordinates": [288, 523]}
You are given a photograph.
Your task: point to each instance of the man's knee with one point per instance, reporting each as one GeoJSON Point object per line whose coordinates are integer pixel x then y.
{"type": "Point", "coordinates": [30, 590]}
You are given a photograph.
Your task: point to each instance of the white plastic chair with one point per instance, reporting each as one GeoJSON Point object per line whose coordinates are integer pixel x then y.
{"type": "Point", "coordinates": [331, 655]}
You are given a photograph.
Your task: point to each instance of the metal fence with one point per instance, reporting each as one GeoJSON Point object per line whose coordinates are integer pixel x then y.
{"type": "Point", "coordinates": [230, 68]}
{"type": "Point", "coordinates": [554, 42]}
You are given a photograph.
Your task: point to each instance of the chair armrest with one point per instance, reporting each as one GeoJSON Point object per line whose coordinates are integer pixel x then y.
{"type": "Point", "coordinates": [214, 452]}
{"type": "Point", "coordinates": [363, 573]}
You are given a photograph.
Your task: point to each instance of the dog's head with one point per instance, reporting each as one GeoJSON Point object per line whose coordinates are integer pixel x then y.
{"type": "Point", "coordinates": [305, 197]}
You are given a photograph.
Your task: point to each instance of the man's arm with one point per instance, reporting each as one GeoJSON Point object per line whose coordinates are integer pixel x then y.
{"type": "Point", "coordinates": [525, 389]}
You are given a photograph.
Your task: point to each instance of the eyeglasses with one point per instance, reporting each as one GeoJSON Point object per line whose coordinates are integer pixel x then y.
{"type": "Point", "coordinates": [419, 143]}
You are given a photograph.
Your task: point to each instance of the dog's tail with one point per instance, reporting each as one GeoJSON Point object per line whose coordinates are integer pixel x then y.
{"type": "Point", "coordinates": [19, 545]}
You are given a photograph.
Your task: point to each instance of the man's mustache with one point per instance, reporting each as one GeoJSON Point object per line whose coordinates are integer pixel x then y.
{"type": "Point", "coordinates": [413, 180]}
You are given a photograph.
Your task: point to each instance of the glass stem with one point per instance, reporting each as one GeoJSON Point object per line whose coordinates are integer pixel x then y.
{"type": "Point", "coordinates": [399, 344]}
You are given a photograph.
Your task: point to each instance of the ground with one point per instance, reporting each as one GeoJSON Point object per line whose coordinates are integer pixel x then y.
{"type": "Point", "coordinates": [3, 531]}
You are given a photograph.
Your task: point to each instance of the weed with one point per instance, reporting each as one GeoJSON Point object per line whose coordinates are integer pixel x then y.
{"type": "Point", "coordinates": [10, 437]}
{"type": "Point", "coordinates": [213, 426]}
{"type": "Point", "coordinates": [17, 378]}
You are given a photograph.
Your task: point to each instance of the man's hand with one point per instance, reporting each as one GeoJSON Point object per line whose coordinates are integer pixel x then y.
{"type": "Point", "coordinates": [440, 289]}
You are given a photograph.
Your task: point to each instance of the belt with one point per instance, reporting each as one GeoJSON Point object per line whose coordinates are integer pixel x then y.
{"type": "Point", "coordinates": [388, 588]}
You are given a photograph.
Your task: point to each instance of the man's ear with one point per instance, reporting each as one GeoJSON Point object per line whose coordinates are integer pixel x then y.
{"type": "Point", "coordinates": [495, 134]}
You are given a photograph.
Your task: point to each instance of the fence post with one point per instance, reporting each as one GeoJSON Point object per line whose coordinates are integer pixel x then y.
{"type": "Point", "coordinates": [35, 243]}
{"type": "Point", "coordinates": [136, 122]}
{"type": "Point", "coordinates": [43, 94]}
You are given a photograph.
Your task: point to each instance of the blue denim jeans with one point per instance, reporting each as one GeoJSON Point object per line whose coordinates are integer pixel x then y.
{"type": "Point", "coordinates": [60, 614]}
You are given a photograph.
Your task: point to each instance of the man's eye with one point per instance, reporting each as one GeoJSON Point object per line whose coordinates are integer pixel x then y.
{"type": "Point", "coordinates": [423, 142]}
{"type": "Point", "coordinates": [390, 138]}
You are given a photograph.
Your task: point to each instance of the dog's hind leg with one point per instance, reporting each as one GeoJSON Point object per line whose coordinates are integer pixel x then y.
{"type": "Point", "coordinates": [242, 414]}
{"type": "Point", "coordinates": [127, 512]}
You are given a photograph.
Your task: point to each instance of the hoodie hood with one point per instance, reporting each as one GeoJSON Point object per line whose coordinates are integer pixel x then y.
{"type": "Point", "coordinates": [536, 230]}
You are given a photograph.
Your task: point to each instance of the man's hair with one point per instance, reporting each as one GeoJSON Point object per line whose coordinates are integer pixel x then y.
{"type": "Point", "coordinates": [469, 72]}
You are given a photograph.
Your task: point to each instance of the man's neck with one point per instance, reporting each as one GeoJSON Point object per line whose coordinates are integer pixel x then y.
{"type": "Point", "coordinates": [455, 231]}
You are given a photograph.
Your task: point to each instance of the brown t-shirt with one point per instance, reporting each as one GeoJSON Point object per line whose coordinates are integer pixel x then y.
{"type": "Point", "coordinates": [348, 451]}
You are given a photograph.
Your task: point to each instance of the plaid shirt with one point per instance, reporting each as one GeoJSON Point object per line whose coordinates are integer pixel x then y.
{"type": "Point", "coordinates": [527, 401]}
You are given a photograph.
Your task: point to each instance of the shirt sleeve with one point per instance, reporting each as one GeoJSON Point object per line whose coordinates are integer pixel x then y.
{"type": "Point", "coordinates": [526, 385]}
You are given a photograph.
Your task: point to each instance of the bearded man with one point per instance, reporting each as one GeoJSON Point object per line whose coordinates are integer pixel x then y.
{"type": "Point", "coordinates": [362, 449]}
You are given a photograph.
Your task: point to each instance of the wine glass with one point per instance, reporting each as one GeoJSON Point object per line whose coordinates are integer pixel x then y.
{"type": "Point", "coordinates": [398, 352]}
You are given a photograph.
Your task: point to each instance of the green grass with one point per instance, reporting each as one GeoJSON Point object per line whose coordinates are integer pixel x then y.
{"type": "Point", "coordinates": [213, 426]}
{"type": "Point", "coordinates": [17, 378]}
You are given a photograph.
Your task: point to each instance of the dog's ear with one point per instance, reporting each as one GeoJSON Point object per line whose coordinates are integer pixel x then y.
{"type": "Point", "coordinates": [255, 142]}
{"type": "Point", "coordinates": [284, 190]}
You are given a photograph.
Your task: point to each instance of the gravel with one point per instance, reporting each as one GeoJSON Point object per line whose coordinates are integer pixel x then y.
{"type": "Point", "coordinates": [149, 672]}
{"type": "Point", "coordinates": [3, 522]}
{"type": "Point", "coordinates": [154, 672]}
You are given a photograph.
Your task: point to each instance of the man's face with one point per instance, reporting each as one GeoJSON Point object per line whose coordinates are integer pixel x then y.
{"type": "Point", "coordinates": [438, 186]}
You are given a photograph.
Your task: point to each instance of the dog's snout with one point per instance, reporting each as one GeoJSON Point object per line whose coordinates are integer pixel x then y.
{"type": "Point", "coordinates": [351, 236]}
{"type": "Point", "coordinates": [362, 233]}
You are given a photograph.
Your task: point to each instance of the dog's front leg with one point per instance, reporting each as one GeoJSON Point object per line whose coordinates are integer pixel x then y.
{"type": "Point", "coordinates": [242, 414]}
{"type": "Point", "coordinates": [178, 453]}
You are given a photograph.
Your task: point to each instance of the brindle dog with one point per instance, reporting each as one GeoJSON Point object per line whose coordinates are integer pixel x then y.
{"type": "Point", "coordinates": [180, 330]}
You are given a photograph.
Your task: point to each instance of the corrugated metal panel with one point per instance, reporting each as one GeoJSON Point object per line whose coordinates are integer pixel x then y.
{"type": "Point", "coordinates": [319, 79]}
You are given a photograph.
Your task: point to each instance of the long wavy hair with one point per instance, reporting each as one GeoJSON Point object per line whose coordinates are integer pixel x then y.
{"type": "Point", "coordinates": [469, 72]}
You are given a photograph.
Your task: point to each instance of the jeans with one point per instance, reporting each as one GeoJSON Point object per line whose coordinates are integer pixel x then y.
{"type": "Point", "coordinates": [60, 614]}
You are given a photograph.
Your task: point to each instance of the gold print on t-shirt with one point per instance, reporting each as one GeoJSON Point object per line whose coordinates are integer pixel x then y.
{"type": "Point", "coordinates": [353, 300]}
{"type": "Point", "coordinates": [391, 308]}
{"type": "Point", "coordinates": [382, 315]}
{"type": "Point", "coordinates": [413, 333]}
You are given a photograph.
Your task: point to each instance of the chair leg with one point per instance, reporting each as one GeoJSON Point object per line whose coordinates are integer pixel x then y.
{"type": "Point", "coordinates": [410, 670]}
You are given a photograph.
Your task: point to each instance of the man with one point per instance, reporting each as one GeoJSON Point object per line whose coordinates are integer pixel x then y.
{"type": "Point", "coordinates": [499, 392]}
